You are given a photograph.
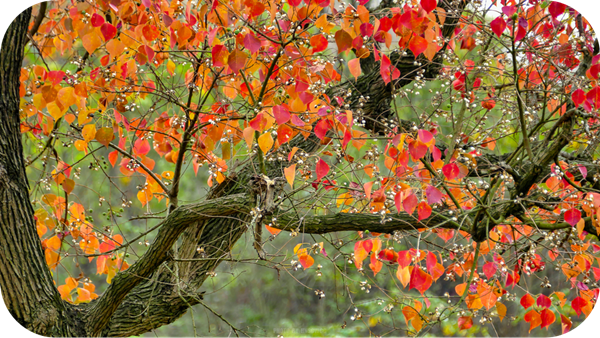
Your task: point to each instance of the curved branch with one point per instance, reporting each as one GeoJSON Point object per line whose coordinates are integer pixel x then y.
{"type": "Point", "coordinates": [38, 20]}
{"type": "Point", "coordinates": [100, 314]}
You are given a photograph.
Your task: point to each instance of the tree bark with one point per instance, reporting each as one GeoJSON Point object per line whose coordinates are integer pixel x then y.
{"type": "Point", "coordinates": [27, 286]}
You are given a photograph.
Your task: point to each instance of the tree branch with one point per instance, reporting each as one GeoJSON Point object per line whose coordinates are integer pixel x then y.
{"type": "Point", "coordinates": [170, 230]}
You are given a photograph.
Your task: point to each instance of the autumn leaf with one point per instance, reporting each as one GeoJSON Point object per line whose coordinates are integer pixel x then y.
{"type": "Point", "coordinates": [465, 323]}
{"type": "Point", "coordinates": [533, 318]}
{"type": "Point", "coordinates": [423, 210]}
{"type": "Point", "coordinates": [290, 173]}
{"type": "Point", "coordinates": [265, 142]}
{"type": "Point", "coordinates": [322, 169]}
{"type": "Point", "coordinates": [354, 67]}
{"type": "Point", "coordinates": [236, 60]}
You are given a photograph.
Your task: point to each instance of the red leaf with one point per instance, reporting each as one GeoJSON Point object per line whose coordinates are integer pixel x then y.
{"type": "Point", "coordinates": [582, 170]}
{"type": "Point", "coordinates": [572, 216]}
{"type": "Point", "coordinates": [548, 317]}
{"type": "Point", "coordinates": [410, 204]}
{"type": "Point", "coordinates": [97, 20]}
{"type": "Point", "coordinates": [527, 301]}
{"type": "Point", "coordinates": [322, 169]}
{"type": "Point", "coordinates": [417, 149]}
{"type": "Point", "coordinates": [578, 97]}
{"type": "Point", "coordinates": [431, 261]}
{"type": "Point", "coordinates": [433, 194]}
{"type": "Point", "coordinates": [465, 323]}
{"type": "Point", "coordinates": [112, 157]}
{"type": "Point", "coordinates": [509, 10]}
{"type": "Point", "coordinates": [424, 210]}
{"type": "Point", "coordinates": [565, 324]}
{"type": "Point", "coordinates": [489, 269]}
{"type": "Point", "coordinates": [428, 5]}
{"type": "Point", "coordinates": [543, 301]}
{"type": "Point", "coordinates": [252, 43]}
{"type": "Point", "coordinates": [498, 25]}
{"type": "Point", "coordinates": [321, 128]}
{"type": "Point", "coordinates": [258, 123]}
{"type": "Point", "coordinates": [425, 136]}
{"type": "Point", "coordinates": [388, 71]}
{"type": "Point", "coordinates": [367, 245]}
{"type": "Point", "coordinates": [108, 31]}
{"type": "Point", "coordinates": [404, 258]}
{"type": "Point", "coordinates": [594, 96]}
{"type": "Point", "coordinates": [281, 114]}
{"type": "Point", "coordinates": [578, 304]}
{"type": "Point", "coordinates": [451, 170]}
{"type": "Point", "coordinates": [141, 147]}
{"type": "Point", "coordinates": [420, 280]}
{"type": "Point", "coordinates": [319, 43]}
{"type": "Point", "coordinates": [219, 55]}
{"type": "Point", "coordinates": [294, 3]}
{"type": "Point", "coordinates": [488, 104]}
{"type": "Point", "coordinates": [366, 29]}
{"type": "Point", "coordinates": [556, 8]}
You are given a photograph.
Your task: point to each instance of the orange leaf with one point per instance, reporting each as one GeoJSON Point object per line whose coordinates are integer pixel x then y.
{"type": "Point", "coordinates": [533, 318]}
{"type": "Point", "coordinates": [105, 136]}
{"type": "Point", "coordinates": [89, 132]}
{"type": "Point", "coordinates": [501, 308]}
{"type": "Point", "coordinates": [403, 275]}
{"type": "Point", "coordinates": [271, 230]}
{"type": "Point", "coordinates": [52, 258]}
{"type": "Point", "coordinates": [265, 142]}
{"type": "Point", "coordinates": [306, 260]}
{"type": "Point", "coordinates": [290, 174]}
{"type": "Point", "coordinates": [354, 67]}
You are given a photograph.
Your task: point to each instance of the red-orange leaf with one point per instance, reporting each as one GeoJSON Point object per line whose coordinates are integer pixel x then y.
{"type": "Point", "coordinates": [424, 210]}
{"type": "Point", "coordinates": [322, 169]}
{"type": "Point", "coordinates": [420, 280]}
{"type": "Point", "coordinates": [108, 31]}
{"type": "Point", "coordinates": [465, 323]}
{"type": "Point", "coordinates": [548, 317]}
{"type": "Point", "coordinates": [237, 60]}
{"type": "Point", "coordinates": [533, 318]}
{"type": "Point", "coordinates": [354, 67]}
{"type": "Point", "coordinates": [343, 40]}
{"type": "Point", "coordinates": [527, 301]}
{"type": "Point", "coordinates": [319, 43]}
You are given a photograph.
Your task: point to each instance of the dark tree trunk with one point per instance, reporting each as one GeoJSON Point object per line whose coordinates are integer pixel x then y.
{"type": "Point", "coordinates": [27, 286]}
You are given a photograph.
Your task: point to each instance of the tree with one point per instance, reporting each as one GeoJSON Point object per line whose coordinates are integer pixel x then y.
{"type": "Point", "coordinates": [458, 141]}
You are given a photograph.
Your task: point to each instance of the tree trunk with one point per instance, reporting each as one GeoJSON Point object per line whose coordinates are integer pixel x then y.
{"type": "Point", "coordinates": [27, 286]}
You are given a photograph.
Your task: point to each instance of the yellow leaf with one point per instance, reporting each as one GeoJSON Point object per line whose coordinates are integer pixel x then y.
{"type": "Point", "coordinates": [81, 145]}
{"type": "Point", "coordinates": [54, 110]}
{"type": "Point", "coordinates": [89, 132]}
{"type": "Point", "coordinates": [265, 142]}
{"type": "Point", "coordinates": [171, 67]}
